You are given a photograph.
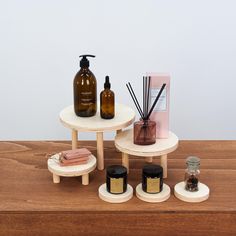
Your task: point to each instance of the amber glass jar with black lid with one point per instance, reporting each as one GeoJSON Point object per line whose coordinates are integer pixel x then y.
{"type": "Point", "coordinates": [116, 179]}
{"type": "Point", "coordinates": [152, 178]}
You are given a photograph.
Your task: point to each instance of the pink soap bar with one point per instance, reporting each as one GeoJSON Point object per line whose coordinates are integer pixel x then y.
{"type": "Point", "coordinates": [74, 163]}
{"type": "Point", "coordinates": [160, 113]}
{"type": "Point", "coordinates": [75, 156]}
{"type": "Point", "coordinates": [71, 154]}
{"type": "Point", "coordinates": [63, 160]}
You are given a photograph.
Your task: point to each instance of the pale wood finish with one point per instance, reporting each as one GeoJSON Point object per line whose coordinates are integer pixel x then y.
{"type": "Point", "coordinates": [125, 161]}
{"type": "Point", "coordinates": [154, 198]}
{"type": "Point", "coordinates": [124, 117]}
{"type": "Point", "coordinates": [115, 198]}
{"type": "Point", "coordinates": [74, 139]}
{"type": "Point", "coordinates": [56, 179]}
{"type": "Point", "coordinates": [201, 195]}
{"type": "Point", "coordinates": [124, 143]}
{"type": "Point", "coordinates": [85, 179]}
{"type": "Point", "coordinates": [71, 171]}
{"type": "Point", "coordinates": [164, 165]}
{"type": "Point", "coordinates": [149, 159]}
{"type": "Point", "coordinates": [30, 204]}
{"type": "Point", "coordinates": [100, 153]}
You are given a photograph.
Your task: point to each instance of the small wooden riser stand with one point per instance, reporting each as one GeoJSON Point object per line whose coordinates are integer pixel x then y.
{"type": "Point", "coordinates": [199, 196]}
{"type": "Point", "coordinates": [115, 198]}
{"type": "Point", "coordinates": [124, 143]}
{"type": "Point", "coordinates": [150, 197]}
{"type": "Point", "coordinates": [70, 171]}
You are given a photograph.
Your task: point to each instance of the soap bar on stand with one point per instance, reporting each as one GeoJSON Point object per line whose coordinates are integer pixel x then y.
{"type": "Point", "coordinates": [74, 157]}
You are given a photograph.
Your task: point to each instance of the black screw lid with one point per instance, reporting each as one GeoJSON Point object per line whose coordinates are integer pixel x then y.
{"type": "Point", "coordinates": [84, 62]}
{"type": "Point", "coordinates": [152, 171]}
{"type": "Point", "coordinates": [116, 171]}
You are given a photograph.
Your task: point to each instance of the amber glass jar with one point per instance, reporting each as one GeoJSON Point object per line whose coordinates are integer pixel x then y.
{"type": "Point", "coordinates": [116, 179]}
{"type": "Point", "coordinates": [144, 132]}
{"type": "Point", "coordinates": [85, 90]}
{"type": "Point", "coordinates": [152, 178]}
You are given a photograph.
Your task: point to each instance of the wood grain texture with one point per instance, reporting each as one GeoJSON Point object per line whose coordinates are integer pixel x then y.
{"type": "Point", "coordinates": [30, 204]}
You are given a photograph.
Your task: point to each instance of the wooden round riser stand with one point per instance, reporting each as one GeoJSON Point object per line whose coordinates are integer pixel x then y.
{"type": "Point", "coordinates": [115, 198]}
{"type": "Point", "coordinates": [153, 197]}
{"type": "Point", "coordinates": [71, 171]}
{"type": "Point", "coordinates": [199, 196]}
{"type": "Point", "coordinates": [124, 116]}
{"type": "Point", "coordinates": [124, 143]}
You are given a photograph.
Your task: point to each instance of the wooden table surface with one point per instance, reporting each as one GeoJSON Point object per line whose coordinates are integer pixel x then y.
{"type": "Point", "coordinates": [30, 204]}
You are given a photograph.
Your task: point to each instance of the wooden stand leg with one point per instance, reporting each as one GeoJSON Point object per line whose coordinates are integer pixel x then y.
{"type": "Point", "coordinates": [100, 151]}
{"type": "Point", "coordinates": [164, 165]}
{"type": "Point", "coordinates": [85, 179]}
{"type": "Point", "coordinates": [56, 179]}
{"type": "Point", "coordinates": [74, 139]}
{"type": "Point", "coordinates": [148, 159]}
{"type": "Point", "coordinates": [117, 132]}
{"type": "Point", "coordinates": [125, 160]}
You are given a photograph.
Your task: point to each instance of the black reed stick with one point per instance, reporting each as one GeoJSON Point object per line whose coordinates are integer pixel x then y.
{"type": "Point", "coordinates": [135, 100]}
{"type": "Point", "coordinates": [148, 94]}
{"type": "Point", "coordinates": [143, 96]}
{"type": "Point", "coordinates": [144, 101]}
{"type": "Point", "coordinates": [156, 100]}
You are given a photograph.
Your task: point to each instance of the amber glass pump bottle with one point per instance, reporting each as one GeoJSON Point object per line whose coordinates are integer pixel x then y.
{"type": "Point", "coordinates": [85, 90]}
{"type": "Point", "coordinates": [107, 101]}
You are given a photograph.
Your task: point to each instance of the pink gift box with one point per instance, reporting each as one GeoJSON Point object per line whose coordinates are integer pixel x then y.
{"type": "Point", "coordinates": [160, 113]}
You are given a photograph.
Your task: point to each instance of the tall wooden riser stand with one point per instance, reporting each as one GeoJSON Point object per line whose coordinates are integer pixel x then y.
{"type": "Point", "coordinates": [124, 117]}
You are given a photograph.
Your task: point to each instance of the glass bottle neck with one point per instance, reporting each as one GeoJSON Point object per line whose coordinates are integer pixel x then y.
{"type": "Point", "coordinates": [192, 170]}
{"type": "Point", "coordinates": [84, 68]}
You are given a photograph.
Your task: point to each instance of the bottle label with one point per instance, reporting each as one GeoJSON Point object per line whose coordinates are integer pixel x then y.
{"type": "Point", "coordinates": [153, 185]}
{"type": "Point", "coordinates": [116, 185]}
{"type": "Point", "coordinates": [162, 102]}
{"type": "Point", "coordinates": [86, 98]}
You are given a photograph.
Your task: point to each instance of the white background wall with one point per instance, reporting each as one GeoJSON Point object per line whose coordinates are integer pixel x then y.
{"type": "Point", "coordinates": [40, 44]}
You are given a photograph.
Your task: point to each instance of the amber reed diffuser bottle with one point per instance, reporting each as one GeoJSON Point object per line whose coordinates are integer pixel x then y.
{"type": "Point", "coordinates": [144, 131]}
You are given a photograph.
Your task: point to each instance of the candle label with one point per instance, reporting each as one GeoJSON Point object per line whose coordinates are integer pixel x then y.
{"type": "Point", "coordinates": [153, 185]}
{"type": "Point", "coordinates": [116, 185]}
{"type": "Point", "coordinates": [162, 102]}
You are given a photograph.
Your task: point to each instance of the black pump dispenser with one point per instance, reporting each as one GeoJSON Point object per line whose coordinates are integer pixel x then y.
{"type": "Point", "coordinates": [107, 84]}
{"type": "Point", "coordinates": [84, 62]}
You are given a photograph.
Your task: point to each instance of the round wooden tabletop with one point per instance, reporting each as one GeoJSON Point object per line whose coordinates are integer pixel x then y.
{"type": "Point", "coordinates": [124, 143]}
{"type": "Point", "coordinates": [124, 116]}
